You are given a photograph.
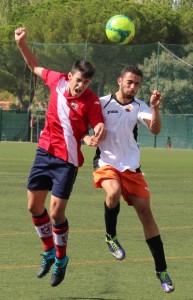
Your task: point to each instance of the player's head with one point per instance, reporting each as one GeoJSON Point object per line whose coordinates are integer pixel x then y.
{"type": "Point", "coordinates": [80, 77]}
{"type": "Point", "coordinates": [131, 69]}
{"type": "Point", "coordinates": [85, 67]}
{"type": "Point", "coordinates": [129, 81]}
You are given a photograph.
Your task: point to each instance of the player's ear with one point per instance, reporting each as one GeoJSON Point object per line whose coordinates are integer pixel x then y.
{"type": "Point", "coordinates": [119, 80]}
{"type": "Point", "coordinates": [69, 75]}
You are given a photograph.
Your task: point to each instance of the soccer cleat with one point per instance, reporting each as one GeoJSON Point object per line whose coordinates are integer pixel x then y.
{"type": "Point", "coordinates": [166, 282]}
{"type": "Point", "coordinates": [47, 262]}
{"type": "Point", "coordinates": [59, 271]}
{"type": "Point", "coordinates": [115, 248]}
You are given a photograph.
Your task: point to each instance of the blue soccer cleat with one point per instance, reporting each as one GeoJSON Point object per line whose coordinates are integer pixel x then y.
{"type": "Point", "coordinates": [59, 271]}
{"type": "Point", "coordinates": [47, 261]}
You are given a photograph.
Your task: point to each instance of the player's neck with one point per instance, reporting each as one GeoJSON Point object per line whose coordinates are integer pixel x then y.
{"type": "Point", "coordinates": [122, 99]}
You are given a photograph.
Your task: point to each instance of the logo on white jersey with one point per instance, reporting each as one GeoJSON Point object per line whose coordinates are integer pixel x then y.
{"type": "Point", "coordinates": [74, 106]}
{"type": "Point", "coordinates": [129, 107]}
{"type": "Point", "coordinates": [112, 112]}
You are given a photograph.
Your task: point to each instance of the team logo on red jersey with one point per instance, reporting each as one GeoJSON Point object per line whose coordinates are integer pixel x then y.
{"type": "Point", "coordinates": [74, 106]}
{"type": "Point", "coordinates": [97, 102]}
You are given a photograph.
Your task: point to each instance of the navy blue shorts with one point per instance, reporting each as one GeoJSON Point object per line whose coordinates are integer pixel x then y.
{"type": "Point", "coordinates": [52, 173]}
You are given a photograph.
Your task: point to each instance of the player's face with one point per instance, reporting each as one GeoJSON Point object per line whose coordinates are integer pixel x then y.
{"type": "Point", "coordinates": [77, 84]}
{"type": "Point", "coordinates": [129, 85]}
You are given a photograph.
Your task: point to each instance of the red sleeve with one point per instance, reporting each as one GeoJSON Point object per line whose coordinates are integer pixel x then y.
{"type": "Point", "coordinates": [94, 111]}
{"type": "Point", "coordinates": [50, 77]}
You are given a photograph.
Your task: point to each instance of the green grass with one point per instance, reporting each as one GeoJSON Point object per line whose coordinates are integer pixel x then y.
{"type": "Point", "coordinates": [92, 273]}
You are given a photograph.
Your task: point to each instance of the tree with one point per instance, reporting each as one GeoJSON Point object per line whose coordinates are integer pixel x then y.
{"type": "Point", "coordinates": [173, 3]}
{"type": "Point", "coordinates": [173, 77]}
{"type": "Point", "coordinates": [76, 21]}
{"type": "Point", "coordinates": [186, 24]}
{"type": "Point", "coordinates": [61, 31]}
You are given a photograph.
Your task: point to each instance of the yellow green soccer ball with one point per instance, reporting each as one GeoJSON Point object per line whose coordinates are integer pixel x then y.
{"type": "Point", "coordinates": [120, 29]}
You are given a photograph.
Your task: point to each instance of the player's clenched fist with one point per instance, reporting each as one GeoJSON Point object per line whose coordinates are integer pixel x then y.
{"type": "Point", "coordinates": [20, 34]}
{"type": "Point", "coordinates": [155, 99]}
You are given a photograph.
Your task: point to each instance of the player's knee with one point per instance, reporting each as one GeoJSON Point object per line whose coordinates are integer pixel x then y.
{"type": "Point", "coordinates": [112, 199]}
{"type": "Point", "coordinates": [56, 216]}
{"type": "Point", "coordinates": [34, 209]}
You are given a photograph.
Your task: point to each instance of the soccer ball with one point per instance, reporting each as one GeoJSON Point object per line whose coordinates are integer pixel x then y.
{"type": "Point", "coordinates": [120, 29]}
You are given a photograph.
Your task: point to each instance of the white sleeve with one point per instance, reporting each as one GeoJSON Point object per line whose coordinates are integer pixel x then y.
{"type": "Point", "coordinates": [144, 113]}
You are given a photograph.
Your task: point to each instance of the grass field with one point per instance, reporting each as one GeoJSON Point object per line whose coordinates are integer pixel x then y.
{"type": "Point", "coordinates": [92, 273]}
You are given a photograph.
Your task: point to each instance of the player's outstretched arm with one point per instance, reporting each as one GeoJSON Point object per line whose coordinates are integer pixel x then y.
{"type": "Point", "coordinates": [28, 56]}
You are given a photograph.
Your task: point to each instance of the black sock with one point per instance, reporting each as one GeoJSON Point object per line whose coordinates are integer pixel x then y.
{"type": "Point", "coordinates": [156, 247]}
{"type": "Point", "coordinates": [111, 219]}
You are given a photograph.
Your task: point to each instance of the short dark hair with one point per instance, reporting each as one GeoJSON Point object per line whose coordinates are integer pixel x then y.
{"type": "Point", "coordinates": [132, 69]}
{"type": "Point", "coordinates": [85, 67]}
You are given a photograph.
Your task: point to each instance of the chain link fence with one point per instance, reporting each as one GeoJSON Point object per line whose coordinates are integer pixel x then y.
{"type": "Point", "coordinates": [165, 67]}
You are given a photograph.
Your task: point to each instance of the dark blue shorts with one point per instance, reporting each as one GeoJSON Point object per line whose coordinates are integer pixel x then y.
{"type": "Point", "coordinates": [52, 173]}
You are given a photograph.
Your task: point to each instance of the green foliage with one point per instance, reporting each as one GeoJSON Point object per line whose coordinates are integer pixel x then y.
{"type": "Point", "coordinates": [78, 29]}
{"type": "Point", "coordinates": [6, 96]}
{"type": "Point", "coordinates": [173, 77]}
{"type": "Point", "coordinates": [77, 21]}
{"type": "Point", "coordinates": [157, 23]}
{"type": "Point", "coordinates": [7, 81]}
{"type": "Point", "coordinates": [176, 4]}
{"type": "Point", "coordinates": [186, 24]}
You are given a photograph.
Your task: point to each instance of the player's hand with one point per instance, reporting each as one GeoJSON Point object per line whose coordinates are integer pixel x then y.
{"type": "Point", "coordinates": [100, 131]}
{"type": "Point", "coordinates": [20, 34]}
{"type": "Point", "coordinates": [156, 99]}
{"type": "Point", "coordinates": [91, 140]}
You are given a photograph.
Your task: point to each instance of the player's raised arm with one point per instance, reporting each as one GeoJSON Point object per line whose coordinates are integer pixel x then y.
{"type": "Point", "coordinates": [29, 57]}
{"type": "Point", "coordinates": [154, 124]}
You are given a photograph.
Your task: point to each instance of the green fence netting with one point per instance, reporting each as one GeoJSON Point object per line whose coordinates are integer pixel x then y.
{"type": "Point", "coordinates": [178, 128]}
{"type": "Point", "coordinates": [18, 125]}
{"type": "Point", "coordinates": [14, 125]}
{"type": "Point", "coordinates": [166, 67]}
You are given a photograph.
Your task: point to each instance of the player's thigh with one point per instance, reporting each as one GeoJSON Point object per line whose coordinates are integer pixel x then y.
{"type": "Point", "coordinates": [142, 206]}
{"type": "Point", "coordinates": [36, 201]}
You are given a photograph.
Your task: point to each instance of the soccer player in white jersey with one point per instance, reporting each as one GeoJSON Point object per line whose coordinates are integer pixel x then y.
{"type": "Point", "coordinates": [117, 165]}
{"type": "Point", "coordinates": [72, 108]}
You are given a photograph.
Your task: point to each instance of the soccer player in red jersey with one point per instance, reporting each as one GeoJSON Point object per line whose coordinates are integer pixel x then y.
{"type": "Point", "coordinates": [72, 108]}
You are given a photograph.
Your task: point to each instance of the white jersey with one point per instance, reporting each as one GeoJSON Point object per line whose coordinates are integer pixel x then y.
{"type": "Point", "coordinates": [119, 149]}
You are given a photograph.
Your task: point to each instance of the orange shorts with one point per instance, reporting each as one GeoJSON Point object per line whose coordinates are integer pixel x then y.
{"type": "Point", "coordinates": [131, 183]}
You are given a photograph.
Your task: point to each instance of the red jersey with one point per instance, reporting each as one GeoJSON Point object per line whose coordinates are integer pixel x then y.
{"type": "Point", "coordinates": [67, 118]}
